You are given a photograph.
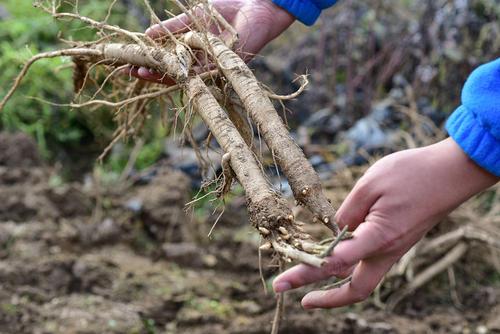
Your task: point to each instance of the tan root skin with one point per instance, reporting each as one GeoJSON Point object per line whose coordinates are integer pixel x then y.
{"type": "Point", "coordinates": [262, 201]}
{"type": "Point", "coordinates": [304, 181]}
{"type": "Point", "coordinates": [268, 211]}
{"type": "Point", "coordinates": [166, 62]}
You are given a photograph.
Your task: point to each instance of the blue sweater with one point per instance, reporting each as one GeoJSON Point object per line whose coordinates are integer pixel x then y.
{"type": "Point", "coordinates": [475, 125]}
{"type": "Point", "coordinates": [306, 11]}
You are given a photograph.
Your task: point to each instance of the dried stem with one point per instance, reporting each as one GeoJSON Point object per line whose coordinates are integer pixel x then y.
{"type": "Point", "coordinates": [52, 54]}
{"type": "Point", "coordinates": [422, 278]}
{"type": "Point", "coordinates": [280, 305]}
{"type": "Point", "coordinates": [328, 251]}
{"type": "Point", "coordinates": [295, 94]}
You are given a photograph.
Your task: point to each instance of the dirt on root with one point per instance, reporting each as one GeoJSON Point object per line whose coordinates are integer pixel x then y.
{"type": "Point", "coordinates": [135, 262]}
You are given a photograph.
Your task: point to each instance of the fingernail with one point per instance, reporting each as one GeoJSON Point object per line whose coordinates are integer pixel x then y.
{"type": "Point", "coordinates": [306, 302]}
{"type": "Point", "coordinates": [307, 306]}
{"type": "Point", "coordinates": [282, 287]}
{"type": "Point", "coordinates": [143, 72]}
{"type": "Point", "coordinates": [310, 300]}
{"type": "Point", "coordinates": [151, 31]}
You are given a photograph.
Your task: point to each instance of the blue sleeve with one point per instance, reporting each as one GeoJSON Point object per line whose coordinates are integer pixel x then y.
{"type": "Point", "coordinates": [475, 125]}
{"type": "Point", "coordinates": [306, 11]}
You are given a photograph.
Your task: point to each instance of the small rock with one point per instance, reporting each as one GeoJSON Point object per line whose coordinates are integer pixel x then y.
{"type": "Point", "coordinates": [481, 329]}
{"type": "Point", "coordinates": [134, 205]}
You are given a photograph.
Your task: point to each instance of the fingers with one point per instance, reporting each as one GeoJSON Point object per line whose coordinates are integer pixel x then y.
{"type": "Point", "coordinates": [303, 274]}
{"type": "Point", "coordinates": [357, 204]}
{"type": "Point", "coordinates": [367, 240]}
{"type": "Point", "coordinates": [145, 74]}
{"type": "Point", "coordinates": [365, 279]}
{"type": "Point", "coordinates": [184, 22]}
{"type": "Point", "coordinates": [176, 24]}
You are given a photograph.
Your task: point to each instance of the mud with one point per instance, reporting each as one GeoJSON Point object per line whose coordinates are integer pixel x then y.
{"type": "Point", "coordinates": [141, 264]}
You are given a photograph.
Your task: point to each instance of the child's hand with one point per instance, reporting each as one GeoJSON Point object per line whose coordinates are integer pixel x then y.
{"type": "Point", "coordinates": [391, 207]}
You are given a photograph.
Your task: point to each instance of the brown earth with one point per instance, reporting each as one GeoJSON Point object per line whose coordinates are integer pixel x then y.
{"type": "Point", "coordinates": [132, 261]}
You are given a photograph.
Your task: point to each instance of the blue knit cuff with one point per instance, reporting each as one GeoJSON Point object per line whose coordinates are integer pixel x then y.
{"type": "Point", "coordinates": [306, 11]}
{"type": "Point", "coordinates": [322, 4]}
{"type": "Point", "coordinates": [476, 141]}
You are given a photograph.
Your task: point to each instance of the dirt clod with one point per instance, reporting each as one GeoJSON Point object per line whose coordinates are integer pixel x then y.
{"type": "Point", "coordinates": [18, 150]}
{"type": "Point", "coordinates": [162, 205]}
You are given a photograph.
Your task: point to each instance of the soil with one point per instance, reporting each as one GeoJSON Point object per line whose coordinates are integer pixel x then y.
{"type": "Point", "coordinates": [133, 261]}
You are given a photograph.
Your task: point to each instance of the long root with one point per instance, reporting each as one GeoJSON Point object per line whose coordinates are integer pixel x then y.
{"type": "Point", "coordinates": [268, 211]}
{"type": "Point", "coordinates": [304, 181]}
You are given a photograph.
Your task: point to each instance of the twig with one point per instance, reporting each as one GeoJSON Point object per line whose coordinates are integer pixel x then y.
{"type": "Point", "coordinates": [156, 20]}
{"type": "Point", "coordinates": [298, 255]}
{"type": "Point", "coordinates": [337, 284]}
{"type": "Point", "coordinates": [110, 8]}
{"type": "Point", "coordinates": [449, 259]}
{"type": "Point", "coordinates": [222, 20]}
{"type": "Point", "coordinates": [101, 87]}
{"type": "Point", "coordinates": [294, 95]}
{"type": "Point", "coordinates": [101, 25]}
{"type": "Point", "coordinates": [131, 160]}
{"type": "Point", "coordinates": [280, 303]}
{"type": "Point", "coordinates": [453, 287]}
{"type": "Point", "coordinates": [209, 235]}
{"type": "Point", "coordinates": [335, 242]}
{"type": "Point", "coordinates": [261, 273]}
{"type": "Point", "coordinates": [51, 54]}
{"type": "Point", "coordinates": [113, 104]}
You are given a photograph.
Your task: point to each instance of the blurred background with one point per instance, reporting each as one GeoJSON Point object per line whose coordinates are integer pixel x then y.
{"type": "Point", "coordinates": [109, 246]}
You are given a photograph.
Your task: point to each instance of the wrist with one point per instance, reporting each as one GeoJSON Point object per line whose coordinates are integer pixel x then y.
{"type": "Point", "coordinates": [282, 15]}
{"type": "Point", "coordinates": [280, 18]}
{"type": "Point", "coordinates": [461, 176]}
{"type": "Point", "coordinates": [267, 14]}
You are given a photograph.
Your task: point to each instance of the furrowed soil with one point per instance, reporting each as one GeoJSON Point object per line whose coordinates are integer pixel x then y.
{"type": "Point", "coordinates": [133, 261]}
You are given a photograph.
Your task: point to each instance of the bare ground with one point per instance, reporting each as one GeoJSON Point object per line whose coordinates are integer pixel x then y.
{"type": "Point", "coordinates": [139, 264]}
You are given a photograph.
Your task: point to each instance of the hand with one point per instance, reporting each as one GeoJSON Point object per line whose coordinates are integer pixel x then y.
{"type": "Point", "coordinates": [390, 208]}
{"type": "Point", "coordinates": [256, 21]}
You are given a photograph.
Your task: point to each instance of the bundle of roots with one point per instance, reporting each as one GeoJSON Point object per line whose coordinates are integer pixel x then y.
{"type": "Point", "coordinates": [230, 123]}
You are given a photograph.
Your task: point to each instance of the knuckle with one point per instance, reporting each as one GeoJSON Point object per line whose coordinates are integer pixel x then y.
{"type": "Point", "coordinates": [379, 234]}
{"type": "Point", "coordinates": [363, 185]}
{"type": "Point", "coordinates": [388, 239]}
{"type": "Point", "coordinates": [361, 294]}
{"type": "Point", "coordinates": [335, 266]}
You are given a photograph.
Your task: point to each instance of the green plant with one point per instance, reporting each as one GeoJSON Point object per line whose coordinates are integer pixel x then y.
{"type": "Point", "coordinates": [29, 29]}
